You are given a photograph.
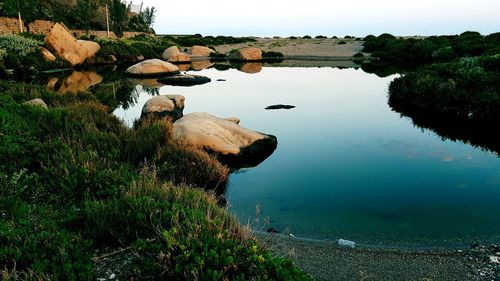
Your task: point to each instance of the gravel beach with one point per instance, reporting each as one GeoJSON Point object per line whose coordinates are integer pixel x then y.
{"type": "Point", "coordinates": [328, 261]}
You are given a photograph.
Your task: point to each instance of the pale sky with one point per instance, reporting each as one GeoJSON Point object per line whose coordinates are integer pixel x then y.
{"type": "Point", "coordinates": [325, 17]}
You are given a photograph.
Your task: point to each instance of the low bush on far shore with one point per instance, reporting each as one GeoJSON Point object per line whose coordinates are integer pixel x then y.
{"type": "Point", "coordinates": [467, 87]}
{"type": "Point", "coordinates": [419, 51]}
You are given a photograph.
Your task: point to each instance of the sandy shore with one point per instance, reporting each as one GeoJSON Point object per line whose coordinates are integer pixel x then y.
{"type": "Point", "coordinates": [327, 261]}
{"type": "Point", "coordinates": [301, 47]}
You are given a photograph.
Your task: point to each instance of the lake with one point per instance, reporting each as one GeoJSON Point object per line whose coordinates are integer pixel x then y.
{"type": "Point", "coordinates": [347, 166]}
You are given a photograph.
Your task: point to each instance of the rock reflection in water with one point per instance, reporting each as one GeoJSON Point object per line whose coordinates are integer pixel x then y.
{"type": "Point", "coordinates": [78, 81]}
{"type": "Point", "coordinates": [184, 66]}
{"type": "Point", "coordinates": [201, 64]}
{"type": "Point", "coordinates": [147, 83]}
{"type": "Point", "coordinates": [251, 67]}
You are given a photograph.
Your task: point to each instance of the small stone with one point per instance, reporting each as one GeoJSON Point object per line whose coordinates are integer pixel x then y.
{"type": "Point", "coordinates": [272, 230]}
{"type": "Point", "coordinates": [36, 102]}
{"type": "Point", "coordinates": [494, 259]}
{"type": "Point", "coordinates": [291, 235]}
{"type": "Point", "coordinates": [112, 276]}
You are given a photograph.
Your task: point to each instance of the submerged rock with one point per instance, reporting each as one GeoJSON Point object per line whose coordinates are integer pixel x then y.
{"type": "Point", "coordinates": [280, 106]}
{"type": "Point", "coordinates": [66, 46]}
{"type": "Point", "coordinates": [234, 145]}
{"type": "Point", "coordinates": [164, 106]}
{"type": "Point", "coordinates": [184, 80]}
{"type": "Point", "coordinates": [152, 67]}
{"type": "Point", "coordinates": [36, 102]}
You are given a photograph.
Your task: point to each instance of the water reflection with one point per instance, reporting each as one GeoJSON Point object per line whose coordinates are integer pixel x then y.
{"type": "Point", "coordinates": [347, 166]}
{"type": "Point", "coordinates": [78, 81]}
{"type": "Point", "coordinates": [146, 83]}
{"type": "Point", "coordinates": [480, 134]}
{"type": "Point", "coordinates": [201, 64]}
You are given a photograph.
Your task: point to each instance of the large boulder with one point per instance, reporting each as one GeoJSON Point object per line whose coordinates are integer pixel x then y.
{"type": "Point", "coordinates": [65, 46]}
{"type": "Point", "coordinates": [152, 67]}
{"type": "Point", "coordinates": [233, 144]}
{"type": "Point", "coordinates": [173, 54]}
{"type": "Point", "coordinates": [47, 55]}
{"type": "Point", "coordinates": [201, 51]}
{"type": "Point", "coordinates": [164, 106]}
{"type": "Point", "coordinates": [247, 54]}
{"type": "Point", "coordinates": [91, 46]}
{"type": "Point", "coordinates": [184, 80]}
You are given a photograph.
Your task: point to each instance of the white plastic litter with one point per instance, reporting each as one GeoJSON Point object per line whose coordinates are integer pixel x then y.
{"type": "Point", "coordinates": [346, 243]}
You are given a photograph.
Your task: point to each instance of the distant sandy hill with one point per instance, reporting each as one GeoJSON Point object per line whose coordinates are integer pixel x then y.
{"type": "Point", "coordinates": [301, 47]}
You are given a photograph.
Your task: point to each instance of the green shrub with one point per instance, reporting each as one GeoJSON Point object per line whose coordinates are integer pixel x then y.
{"type": "Point", "coordinates": [20, 45]}
{"type": "Point", "coordinates": [359, 55]}
{"type": "Point", "coordinates": [306, 37]}
{"type": "Point", "coordinates": [181, 233]}
{"type": "Point", "coordinates": [320, 37]}
{"type": "Point", "coordinates": [467, 87]}
{"type": "Point", "coordinates": [342, 42]}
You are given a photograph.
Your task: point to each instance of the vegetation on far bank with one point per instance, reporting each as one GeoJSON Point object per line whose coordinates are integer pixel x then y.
{"type": "Point", "coordinates": [468, 87]}
{"type": "Point", "coordinates": [77, 186]}
{"type": "Point", "coordinates": [455, 75]}
{"type": "Point", "coordinates": [418, 51]}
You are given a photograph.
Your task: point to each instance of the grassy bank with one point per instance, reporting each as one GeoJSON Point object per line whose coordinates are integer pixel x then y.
{"type": "Point", "coordinates": [78, 188]}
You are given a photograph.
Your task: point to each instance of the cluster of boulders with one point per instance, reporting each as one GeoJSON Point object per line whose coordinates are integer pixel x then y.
{"type": "Point", "coordinates": [233, 144]}
{"type": "Point", "coordinates": [67, 48]}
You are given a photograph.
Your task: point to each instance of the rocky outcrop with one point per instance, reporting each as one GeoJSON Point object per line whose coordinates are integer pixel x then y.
{"type": "Point", "coordinates": [65, 46]}
{"type": "Point", "coordinates": [201, 51]}
{"type": "Point", "coordinates": [152, 67]}
{"type": "Point", "coordinates": [247, 54]}
{"type": "Point", "coordinates": [79, 81]}
{"type": "Point", "coordinates": [47, 55]}
{"type": "Point", "coordinates": [184, 80]}
{"type": "Point", "coordinates": [164, 106]}
{"type": "Point", "coordinates": [36, 102]}
{"type": "Point", "coordinates": [173, 54]}
{"type": "Point", "coordinates": [91, 46]}
{"type": "Point", "coordinates": [233, 144]}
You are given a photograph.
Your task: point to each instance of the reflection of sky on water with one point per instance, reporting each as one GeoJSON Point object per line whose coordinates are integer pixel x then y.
{"type": "Point", "coordinates": [346, 165]}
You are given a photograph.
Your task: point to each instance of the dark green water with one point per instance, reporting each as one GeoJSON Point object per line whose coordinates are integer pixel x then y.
{"type": "Point", "coordinates": [347, 166]}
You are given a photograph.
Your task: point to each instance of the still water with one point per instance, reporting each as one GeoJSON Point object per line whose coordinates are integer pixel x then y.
{"type": "Point", "coordinates": [347, 166]}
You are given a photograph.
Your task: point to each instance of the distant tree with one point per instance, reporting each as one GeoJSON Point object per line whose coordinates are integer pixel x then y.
{"type": "Point", "coordinates": [30, 9]}
{"type": "Point", "coordinates": [119, 14]}
{"type": "Point", "coordinates": [148, 16]}
{"type": "Point", "coordinates": [84, 11]}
